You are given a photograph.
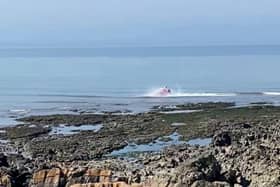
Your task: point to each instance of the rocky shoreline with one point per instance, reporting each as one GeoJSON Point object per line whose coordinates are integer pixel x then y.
{"type": "Point", "coordinates": [243, 150]}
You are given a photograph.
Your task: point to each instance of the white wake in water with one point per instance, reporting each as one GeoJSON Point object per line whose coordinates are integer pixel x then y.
{"type": "Point", "coordinates": [272, 93]}
{"type": "Point", "coordinates": [178, 93]}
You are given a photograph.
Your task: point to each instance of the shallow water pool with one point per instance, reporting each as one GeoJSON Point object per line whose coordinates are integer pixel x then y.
{"type": "Point", "coordinates": [158, 145]}
{"type": "Point", "coordinates": [69, 130]}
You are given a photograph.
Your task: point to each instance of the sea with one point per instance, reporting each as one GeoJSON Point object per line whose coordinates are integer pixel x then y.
{"type": "Point", "coordinates": [42, 81]}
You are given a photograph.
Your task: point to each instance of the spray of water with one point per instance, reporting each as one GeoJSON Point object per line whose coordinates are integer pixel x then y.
{"type": "Point", "coordinates": [156, 92]}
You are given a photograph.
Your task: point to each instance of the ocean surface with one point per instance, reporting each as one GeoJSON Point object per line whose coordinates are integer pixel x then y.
{"type": "Point", "coordinates": [47, 81]}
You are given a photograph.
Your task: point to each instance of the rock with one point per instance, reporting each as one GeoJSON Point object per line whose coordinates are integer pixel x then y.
{"type": "Point", "coordinates": [25, 131]}
{"type": "Point", "coordinates": [48, 178]}
{"type": "Point", "coordinates": [209, 166]}
{"type": "Point", "coordinates": [266, 179]}
{"type": "Point", "coordinates": [38, 178]}
{"type": "Point", "coordinates": [222, 139]}
{"type": "Point", "coordinates": [5, 179]}
{"type": "Point", "coordinates": [107, 184]}
{"type": "Point", "coordinates": [230, 176]}
{"type": "Point", "coordinates": [3, 160]}
{"type": "Point", "coordinates": [220, 184]}
{"type": "Point", "coordinates": [246, 126]}
{"type": "Point", "coordinates": [71, 177]}
{"type": "Point", "coordinates": [53, 177]}
{"type": "Point", "coordinates": [202, 183]}
{"type": "Point", "coordinates": [237, 185]}
{"type": "Point", "coordinates": [97, 175]}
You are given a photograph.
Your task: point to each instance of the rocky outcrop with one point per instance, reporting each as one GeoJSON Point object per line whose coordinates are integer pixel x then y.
{"type": "Point", "coordinates": [107, 184]}
{"type": "Point", "coordinates": [73, 177]}
{"type": "Point", "coordinates": [222, 139]}
{"type": "Point", "coordinates": [5, 179]}
{"type": "Point", "coordinates": [3, 160]}
{"type": "Point", "coordinates": [184, 166]}
{"type": "Point", "coordinates": [244, 152]}
{"type": "Point", "coordinates": [47, 178]}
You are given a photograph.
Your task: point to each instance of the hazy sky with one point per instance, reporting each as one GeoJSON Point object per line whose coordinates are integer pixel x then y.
{"type": "Point", "coordinates": [139, 22]}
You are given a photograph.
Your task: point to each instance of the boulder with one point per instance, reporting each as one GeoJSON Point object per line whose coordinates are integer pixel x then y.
{"type": "Point", "coordinates": [222, 139]}
{"type": "Point", "coordinates": [75, 177]}
{"type": "Point", "coordinates": [5, 179]}
{"type": "Point", "coordinates": [208, 166]}
{"type": "Point", "coordinates": [47, 178]}
{"type": "Point", "coordinates": [3, 160]}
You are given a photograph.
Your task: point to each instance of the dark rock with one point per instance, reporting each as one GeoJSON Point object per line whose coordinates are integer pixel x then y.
{"type": "Point", "coordinates": [246, 126]}
{"type": "Point", "coordinates": [25, 131]}
{"type": "Point", "coordinates": [230, 176]}
{"type": "Point", "coordinates": [222, 139]}
{"type": "Point", "coordinates": [3, 160]}
{"type": "Point", "coordinates": [209, 166]}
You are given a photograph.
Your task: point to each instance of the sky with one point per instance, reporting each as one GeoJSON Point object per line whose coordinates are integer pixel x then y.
{"type": "Point", "coordinates": [139, 22]}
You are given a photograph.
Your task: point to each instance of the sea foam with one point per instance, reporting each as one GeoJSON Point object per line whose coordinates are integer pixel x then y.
{"type": "Point", "coordinates": [179, 93]}
{"type": "Point", "coordinates": [271, 93]}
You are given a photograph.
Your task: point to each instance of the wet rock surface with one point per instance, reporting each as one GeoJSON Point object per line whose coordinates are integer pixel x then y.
{"type": "Point", "coordinates": [193, 106]}
{"type": "Point", "coordinates": [244, 150]}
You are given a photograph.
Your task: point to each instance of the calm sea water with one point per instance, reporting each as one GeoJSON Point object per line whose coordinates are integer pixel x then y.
{"type": "Point", "coordinates": [63, 81]}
